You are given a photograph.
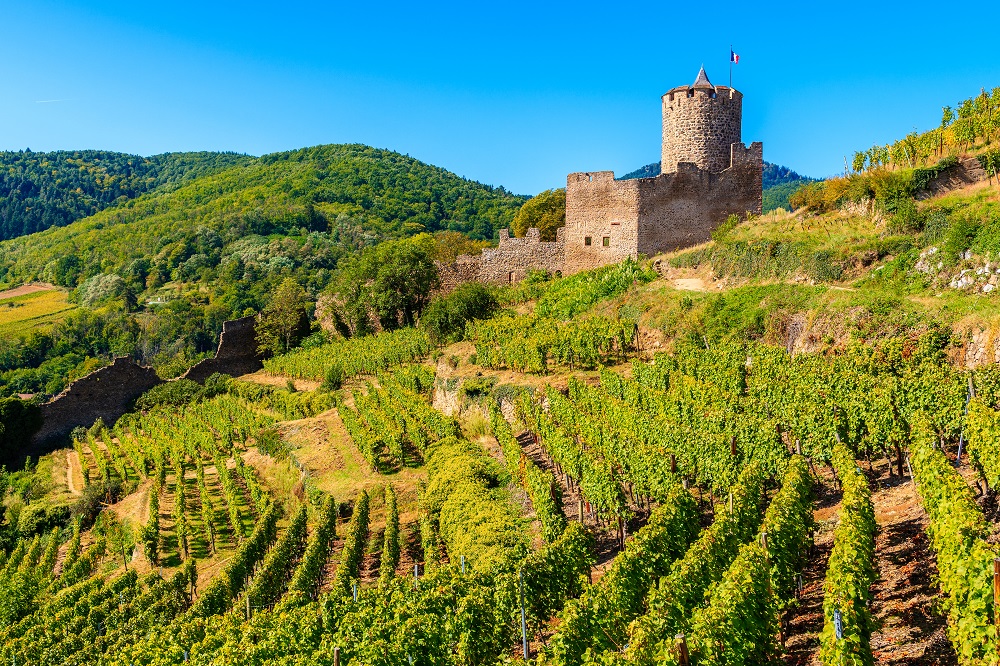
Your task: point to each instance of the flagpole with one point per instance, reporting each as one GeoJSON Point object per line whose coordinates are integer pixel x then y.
{"type": "Point", "coordinates": [730, 66]}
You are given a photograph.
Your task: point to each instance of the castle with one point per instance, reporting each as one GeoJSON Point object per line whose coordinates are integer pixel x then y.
{"type": "Point", "coordinates": [707, 174]}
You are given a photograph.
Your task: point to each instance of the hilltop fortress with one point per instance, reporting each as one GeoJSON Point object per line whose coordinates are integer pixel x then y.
{"type": "Point", "coordinates": [707, 174]}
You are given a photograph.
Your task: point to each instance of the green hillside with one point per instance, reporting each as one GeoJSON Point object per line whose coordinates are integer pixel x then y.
{"type": "Point", "coordinates": [780, 446]}
{"type": "Point", "coordinates": [42, 190]}
{"type": "Point", "coordinates": [353, 195]}
{"type": "Point", "coordinates": [160, 273]}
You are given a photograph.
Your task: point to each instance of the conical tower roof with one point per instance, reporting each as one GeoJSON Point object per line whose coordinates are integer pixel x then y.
{"type": "Point", "coordinates": [702, 80]}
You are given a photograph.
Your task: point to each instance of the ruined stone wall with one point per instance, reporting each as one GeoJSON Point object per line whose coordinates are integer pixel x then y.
{"type": "Point", "coordinates": [106, 393]}
{"type": "Point", "coordinates": [512, 258]}
{"type": "Point", "coordinates": [602, 217]}
{"type": "Point", "coordinates": [464, 269]}
{"type": "Point", "coordinates": [237, 353]}
{"type": "Point", "coordinates": [506, 263]}
{"type": "Point", "coordinates": [699, 126]}
{"type": "Point", "coordinates": [109, 392]}
{"type": "Point", "coordinates": [682, 209]}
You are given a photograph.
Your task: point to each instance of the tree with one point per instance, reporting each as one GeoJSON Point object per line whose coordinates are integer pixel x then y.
{"type": "Point", "coordinates": [284, 322]}
{"type": "Point", "coordinates": [444, 319]}
{"type": "Point", "coordinates": [19, 420]}
{"type": "Point", "coordinates": [389, 284]}
{"type": "Point", "coordinates": [546, 212]}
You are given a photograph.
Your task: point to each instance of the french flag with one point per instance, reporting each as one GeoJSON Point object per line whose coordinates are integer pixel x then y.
{"type": "Point", "coordinates": [734, 57]}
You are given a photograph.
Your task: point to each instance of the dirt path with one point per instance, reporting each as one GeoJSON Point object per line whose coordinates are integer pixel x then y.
{"type": "Point", "coordinates": [909, 629]}
{"type": "Point", "coordinates": [72, 460]}
{"type": "Point", "coordinates": [261, 377]}
{"type": "Point", "coordinates": [805, 620]}
{"type": "Point", "coordinates": [690, 284]}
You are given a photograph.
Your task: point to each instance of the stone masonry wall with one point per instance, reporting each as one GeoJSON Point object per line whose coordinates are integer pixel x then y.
{"type": "Point", "coordinates": [598, 207]}
{"type": "Point", "coordinates": [512, 258]}
{"type": "Point", "coordinates": [237, 353]}
{"type": "Point", "coordinates": [106, 393]}
{"type": "Point", "coordinates": [109, 392]}
{"type": "Point", "coordinates": [682, 209]}
{"type": "Point", "coordinates": [508, 262]}
{"type": "Point", "coordinates": [699, 126]}
{"type": "Point", "coordinates": [652, 215]}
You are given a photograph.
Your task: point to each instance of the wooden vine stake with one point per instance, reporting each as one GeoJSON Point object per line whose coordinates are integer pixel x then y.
{"type": "Point", "coordinates": [673, 463]}
{"type": "Point", "coordinates": [996, 591]}
{"type": "Point", "coordinates": [336, 656]}
{"type": "Point", "coordinates": [683, 658]}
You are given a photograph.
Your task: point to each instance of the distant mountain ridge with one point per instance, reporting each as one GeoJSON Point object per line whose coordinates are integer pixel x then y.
{"type": "Point", "coordinates": [779, 182]}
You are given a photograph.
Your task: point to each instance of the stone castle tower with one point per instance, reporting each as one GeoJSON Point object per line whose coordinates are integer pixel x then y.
{"type": "Point", "coordinates": [700, 124]}
{"type": "Point", "coordinates": [706, 175]}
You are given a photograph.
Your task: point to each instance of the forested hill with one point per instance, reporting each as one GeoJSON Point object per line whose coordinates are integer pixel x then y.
{"type": "Point", "coordinates": [42, 190]}
{"type": "Point", "coordinates": [350, 195]}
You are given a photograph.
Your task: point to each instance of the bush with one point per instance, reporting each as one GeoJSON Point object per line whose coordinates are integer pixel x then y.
{"type": "Point", "coordinates": [94, 496]}
{"type": "Point", "coordinates": [334, 378]}
{"type": "Point", "coordinates": [19, 420]}
{"type": "Point", "coordinates": [174, 393]}
{"type": "Point", "coordinates": [40, 519]}
{"type": "Point", "coordinates": [445, 317]}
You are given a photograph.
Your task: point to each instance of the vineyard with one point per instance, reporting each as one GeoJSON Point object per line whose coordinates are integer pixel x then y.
{"type": "Point", "coordinates": [560, 496]}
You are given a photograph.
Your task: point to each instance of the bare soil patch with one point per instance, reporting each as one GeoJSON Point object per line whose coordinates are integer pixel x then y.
{"type": "Point", "coordinates": [26, 289]}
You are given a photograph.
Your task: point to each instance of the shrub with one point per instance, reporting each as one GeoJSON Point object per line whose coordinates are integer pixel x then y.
{"type": "Point", "coordinates": [93, 497]}
{"type": "Point", "coordinates": [19, 420]}
{"type": "Point", "coordinates": [445, 317]}
{"type": "Point", "coordinates": [174, 393]}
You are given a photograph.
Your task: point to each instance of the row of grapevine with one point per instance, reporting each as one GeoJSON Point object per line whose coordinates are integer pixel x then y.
{"type": "Point", "coordinates": [279, 565]}
{"type": "Point", "coordinates": [598, 620]}
{"type": "Point", "coordinates": [676, 595]}
{"type": "Point", "coordinates": [958, 533]}
{"type": "Point", "coordinates": [846, 636]}
{"type": "Point", "coordinates": [544, 492]}
{"type": "Point", "coordinates": [308, 576]}
{"type": "Point", "coordinates": [219, 594]}
{"type": "Point", "coordinates": [982, 427]}
{"type": "Point", "coordinates": [352, 357]}
{"type": "Point", "coordinates": [349, 567]}
{"type": "Point", "coordinates": [529, 343]}
{"type": "Point", "coordinates": [558, 430]}
{"type": "Point", "coordinates": [741, 621]}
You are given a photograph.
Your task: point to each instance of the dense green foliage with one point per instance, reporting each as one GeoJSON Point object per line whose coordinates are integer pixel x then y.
{"type": "Point", "coordinates": [545, 211]}
{"type": "Point", "coordinates": [384, 287]}
{"type": "Point", "coordinates": [159, 274]}
{"type": "Point", "coordinates": [445, 317]}
{"type": "Point", "coordinates": [42, 190]}
{"type": "Point", "coordinates": [19, 420]}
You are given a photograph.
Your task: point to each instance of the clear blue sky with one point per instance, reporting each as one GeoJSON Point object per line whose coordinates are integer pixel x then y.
{"type": "Point", "coordinates": [509, 94]}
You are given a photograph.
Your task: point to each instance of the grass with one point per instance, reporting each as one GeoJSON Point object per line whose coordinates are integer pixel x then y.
{"type": "Point", "coordinates": [22, 314]}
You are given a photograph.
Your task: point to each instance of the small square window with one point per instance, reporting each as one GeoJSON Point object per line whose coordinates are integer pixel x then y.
{"type": "Point", "coordinates": [586, 241]}
{"type": "Point", "coordinates": [606, 242]}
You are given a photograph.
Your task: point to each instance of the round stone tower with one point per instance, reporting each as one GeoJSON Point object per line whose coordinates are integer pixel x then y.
{"type": "Point", "coordinates": [700, 124]}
